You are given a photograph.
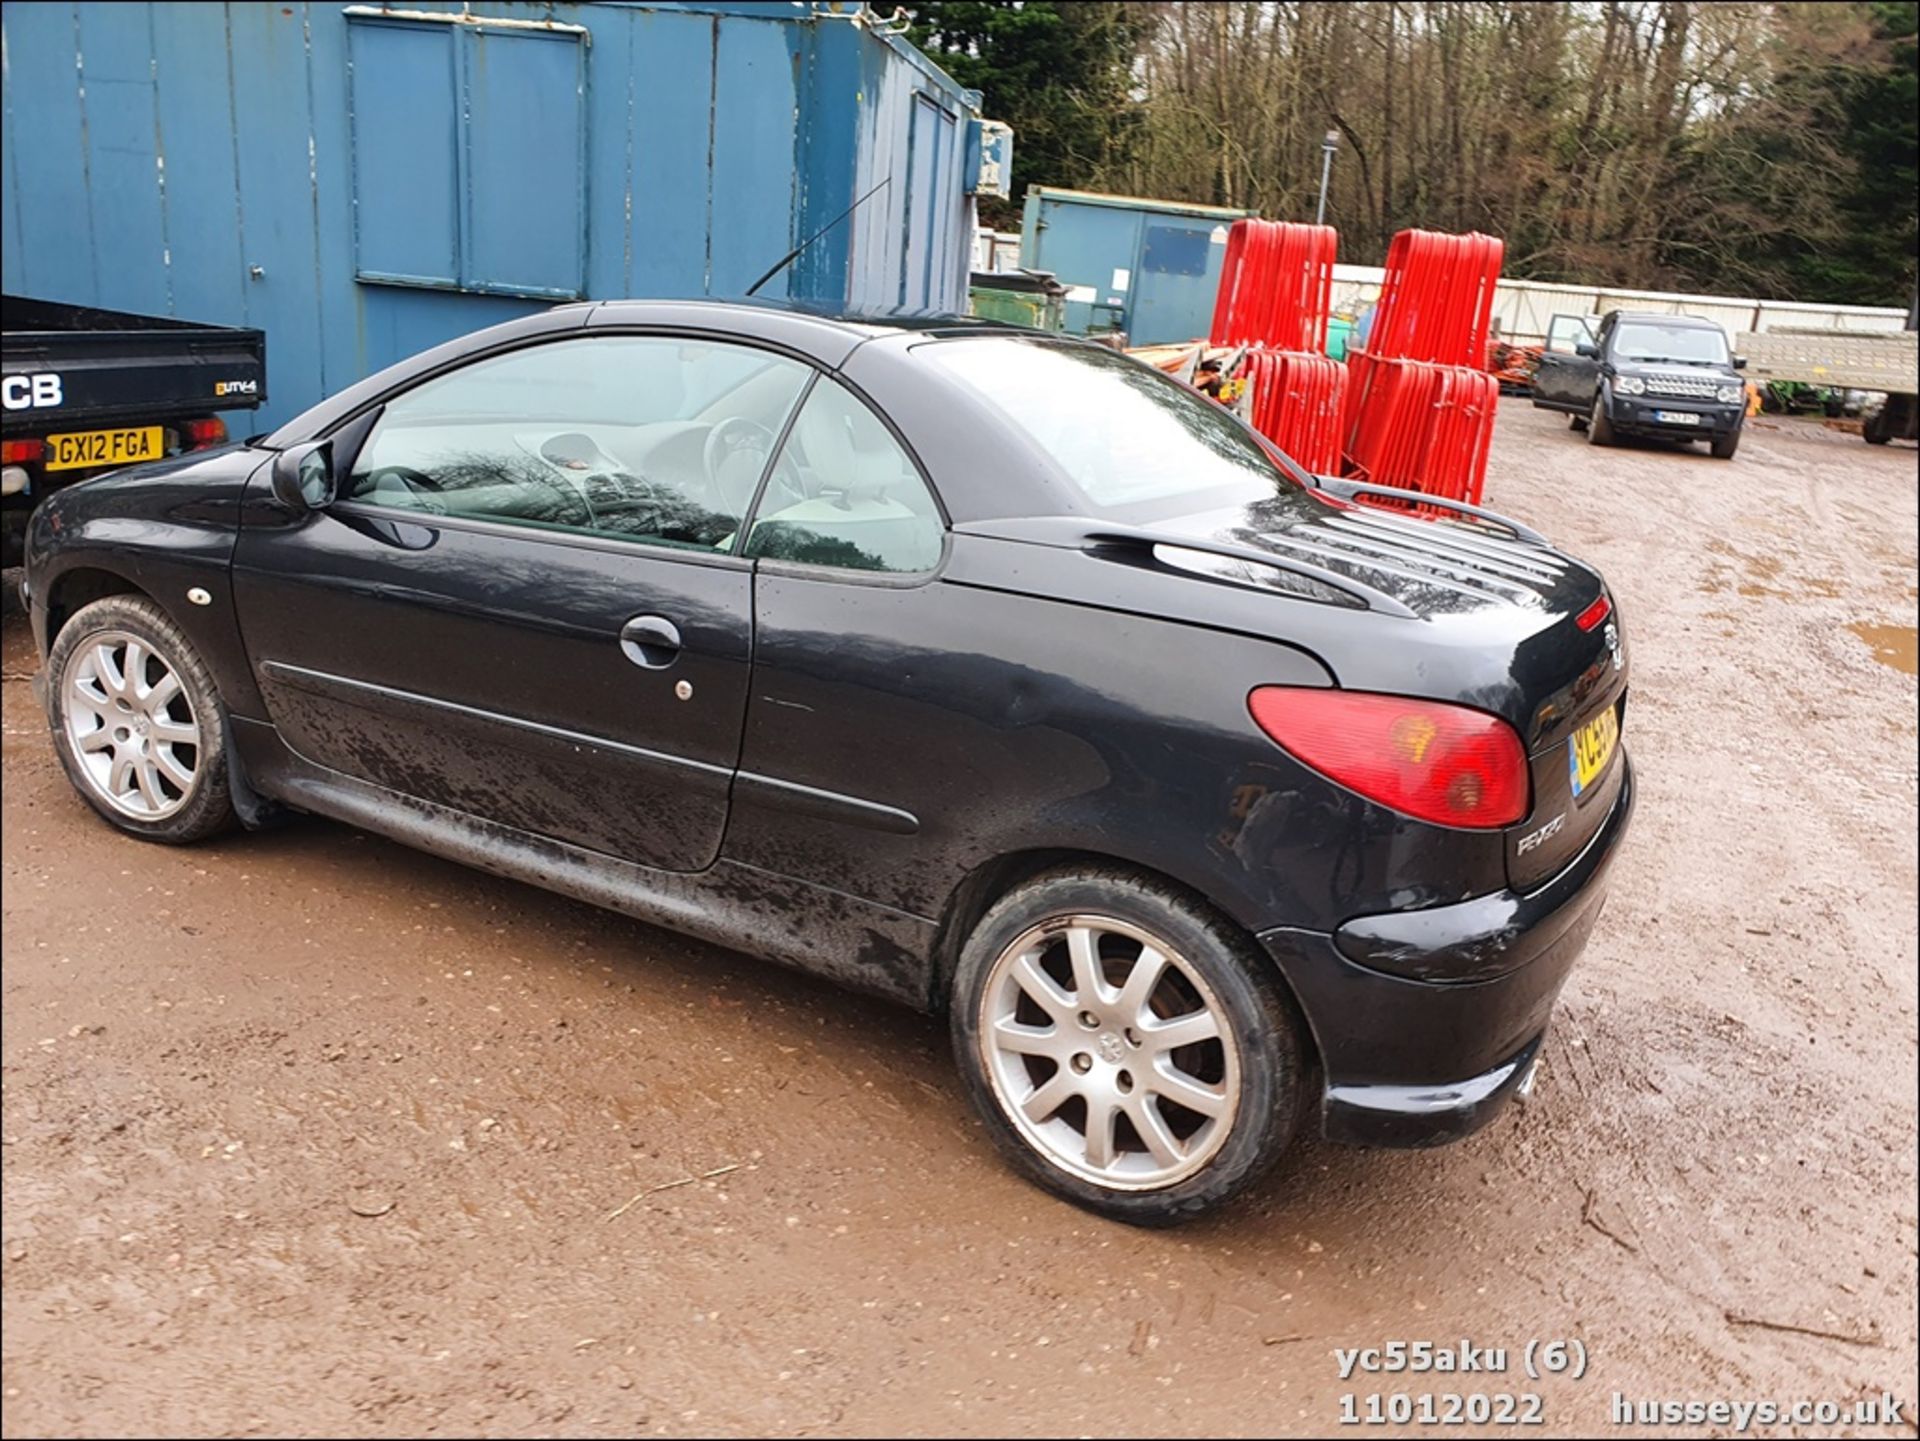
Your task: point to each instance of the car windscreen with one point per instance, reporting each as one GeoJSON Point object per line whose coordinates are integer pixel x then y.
{"type": "Point", "coordinates": [1128, 438]}
{"type": "Point", "coordinates": [1686, 344]}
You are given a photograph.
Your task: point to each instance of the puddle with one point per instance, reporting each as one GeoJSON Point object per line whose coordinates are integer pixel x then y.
{"type": "Point", "coordinates": [1893, 645]}
{"type": "Point", "coordinates": [1765, 577]}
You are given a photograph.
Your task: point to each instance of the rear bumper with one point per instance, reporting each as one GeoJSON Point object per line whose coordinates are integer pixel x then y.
{"type": "Point", "coordinates": [1411, 1059]}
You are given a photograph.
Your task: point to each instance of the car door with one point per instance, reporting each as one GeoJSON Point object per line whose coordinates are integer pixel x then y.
{"type": "Point", "coordinates": [843, 749]}
{"type": "Point", "coordinates": [1565, 379]}
{"type": "Point", "coordinates": [524, 605]}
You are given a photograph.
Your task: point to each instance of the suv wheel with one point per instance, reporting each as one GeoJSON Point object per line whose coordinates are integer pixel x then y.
{"type": "Point", "coordinates": [1599, 428]}
{"type": "Point", "coordinates": [137, 723]}
{"type": "Point", "coordinates": [1577, 423]}
{"type": "Point", "coordinates": [1723, 446]}
{"type": "Point", "coordinates": [1126, 1049]}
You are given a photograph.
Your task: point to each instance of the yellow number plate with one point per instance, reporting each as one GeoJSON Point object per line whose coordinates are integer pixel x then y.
{"type": "Point", "coordinates": [85, 448]}
{"type": "Point", "coordinates": [1591, 747]}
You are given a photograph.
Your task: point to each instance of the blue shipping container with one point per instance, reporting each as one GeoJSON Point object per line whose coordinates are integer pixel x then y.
{"type": "Point", "coordinates": [362, 182]}
{"type": "Point", "coordinates": [1146, 267]}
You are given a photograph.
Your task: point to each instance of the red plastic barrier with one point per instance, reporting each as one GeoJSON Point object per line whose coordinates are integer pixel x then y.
{"type": "Point", "coordinates": [1436, 299]}
{"type": "Point", "coordinates": [1360, 367]}
{"type": "Point", "coordinates": [1419, 408]}
{"type": "Point", "coordinates": [1223, 298]}
{"type": "Point", "coordinates": [1414, 409]}
{"type": "Point", "coordinates": [1297, 403]}
{"type": "Point", "coordinates": [1419, 426]}
{"type": "Point", "coordinates": [1276, 286]}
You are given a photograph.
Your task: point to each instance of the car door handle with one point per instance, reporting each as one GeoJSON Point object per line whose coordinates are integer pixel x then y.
{"type": "Point", "coordinates": [652, 641]}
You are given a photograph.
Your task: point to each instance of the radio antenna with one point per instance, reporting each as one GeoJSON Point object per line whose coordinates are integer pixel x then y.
{"type": "Point", "coordinates": [794, 253]}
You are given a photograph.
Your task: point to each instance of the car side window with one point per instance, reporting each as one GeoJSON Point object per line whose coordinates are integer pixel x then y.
{"type": "Point", "coordinates": [1564, 332]}
{"type": "Point", "coordinates": [655, 439]}
{"type": "Point", "coordinates": [845, 494]}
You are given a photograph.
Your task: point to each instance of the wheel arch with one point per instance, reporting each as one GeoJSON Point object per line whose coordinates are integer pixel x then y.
{"type": "Point", "coordinates": [196, 596]}
{"type": "Point", "coordinates": [988, 882]}
{"type": "Point", "coordinates": [81, 585]}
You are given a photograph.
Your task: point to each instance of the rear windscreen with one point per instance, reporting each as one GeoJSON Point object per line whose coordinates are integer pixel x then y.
{"type": "Point", "coordinates": [1121, 432]}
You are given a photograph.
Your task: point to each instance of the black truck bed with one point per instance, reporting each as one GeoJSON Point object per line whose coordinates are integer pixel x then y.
{"type": "Point", "coordinates": [113, 365]}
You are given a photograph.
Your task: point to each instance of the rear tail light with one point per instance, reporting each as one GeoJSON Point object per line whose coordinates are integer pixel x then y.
{"type": "Point", "coordinates": [1595, 613]}
{"type": "Point", "coordinates": [1441, 763]}
{"type": "Point", "coordinates": [199, 434]}
{"type": "Point", "coordinates": [20, 452]}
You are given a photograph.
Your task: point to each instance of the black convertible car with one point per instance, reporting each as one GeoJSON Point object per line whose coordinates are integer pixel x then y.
{"type": "Point", "coordinates": [987, 670]}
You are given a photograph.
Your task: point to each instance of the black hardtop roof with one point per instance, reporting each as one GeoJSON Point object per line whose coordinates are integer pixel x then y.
{"type": "Point", "coordinates": [1657, 317]}
{"type": "Point", "coordinates": [863, 320]}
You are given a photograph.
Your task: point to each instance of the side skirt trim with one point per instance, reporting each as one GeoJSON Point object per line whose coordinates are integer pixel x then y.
{"type": "Point", "coordinates": [852, 942]}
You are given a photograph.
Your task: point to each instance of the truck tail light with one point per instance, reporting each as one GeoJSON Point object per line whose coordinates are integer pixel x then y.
{"type": "Point", "coordinates": [199, 434]}
{"type": "Point", "coordinates": [1441, 763]}
{"type": "Point", "coordinates": [21, 452]}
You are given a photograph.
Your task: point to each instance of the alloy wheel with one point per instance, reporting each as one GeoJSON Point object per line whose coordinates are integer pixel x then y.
{"type": "Point", "coordinates": [1109, 1052]}
{"type": "Point", "coordinates": [131, 725]}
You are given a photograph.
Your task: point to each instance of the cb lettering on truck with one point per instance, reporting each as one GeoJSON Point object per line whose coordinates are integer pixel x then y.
{"type": "Point", "coordinates": [87, 389]}
{"type": "Point", "coordinates": [30, 392]}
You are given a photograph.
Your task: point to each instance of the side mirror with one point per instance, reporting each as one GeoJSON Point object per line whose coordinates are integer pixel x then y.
{"type": "Point", "coordinates": [1586, 350]}
{"type": "Point", "coordinates": [1739, 362]}
{"type": "Point", "coordinates": [303, 476]}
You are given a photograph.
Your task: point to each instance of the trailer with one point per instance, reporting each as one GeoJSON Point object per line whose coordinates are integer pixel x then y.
{"type": "Point", "coordinates": [1845, 360]}
{"type": "Point", "coordinates": [1837, 359]}
{"type": "Point", "coordinates": [87, 390]}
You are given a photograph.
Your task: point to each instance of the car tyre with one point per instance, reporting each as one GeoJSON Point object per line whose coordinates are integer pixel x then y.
{"type": "Point", "coordinates": [137, 722]}
{"type": "Point", "coordinates": [1724, 446]}
{"type": "Point", "coordinates": [1056, 1003]}
{"type": "Point", "coordinates": [1576, 423]}
{"type": "Point", "coordinates": [1599, 427]}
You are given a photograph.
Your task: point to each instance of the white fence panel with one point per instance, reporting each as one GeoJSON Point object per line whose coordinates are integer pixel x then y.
{"type": "Point", "coordinates": [1522, 309]}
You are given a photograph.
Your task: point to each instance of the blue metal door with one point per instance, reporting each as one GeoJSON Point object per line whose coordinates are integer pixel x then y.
{"type": "Point", "coordinates": [1175, 282]}
{"type": "Point", "coordinates": [928, 273]}
{"type": "Point", "coordinates": [1091, 250]}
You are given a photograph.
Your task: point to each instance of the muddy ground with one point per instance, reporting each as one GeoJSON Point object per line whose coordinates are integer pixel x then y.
{"type": "Point", "coordinates": [308, 1133]}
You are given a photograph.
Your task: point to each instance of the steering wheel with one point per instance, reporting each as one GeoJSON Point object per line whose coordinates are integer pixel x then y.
{"type": "Point", "coordinates": [735, 453]}
{"type": "Point", "coordinates": [422, 488]}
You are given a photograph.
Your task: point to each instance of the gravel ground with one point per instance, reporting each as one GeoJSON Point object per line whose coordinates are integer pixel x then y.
{"type": "Point", "coordinates": [307, 1133]}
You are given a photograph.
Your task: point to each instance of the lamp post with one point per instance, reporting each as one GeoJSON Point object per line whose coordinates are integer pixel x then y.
{"type": "Point", "coordinates": [1327, 147]}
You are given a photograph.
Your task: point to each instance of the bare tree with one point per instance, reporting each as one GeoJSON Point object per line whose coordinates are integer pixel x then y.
{"type": "Point", "coordinates": [1593, 137]}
